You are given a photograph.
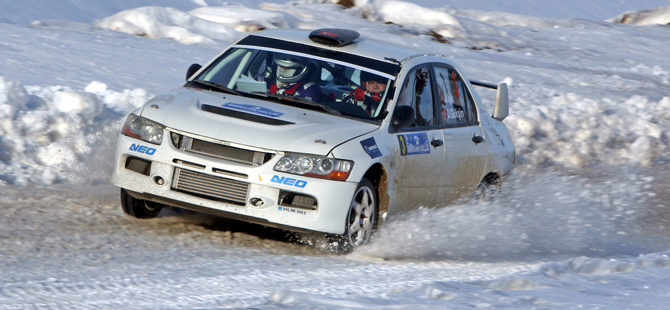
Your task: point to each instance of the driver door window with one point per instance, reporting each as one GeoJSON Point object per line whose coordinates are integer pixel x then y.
{"type": "Point", "coordinates": [417, 93]}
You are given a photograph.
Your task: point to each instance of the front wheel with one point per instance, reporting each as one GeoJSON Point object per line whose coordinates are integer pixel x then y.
{"type": "Point", "coordinates": [139, 208]}
{"type": "Point", "coordinates": [361, 220]}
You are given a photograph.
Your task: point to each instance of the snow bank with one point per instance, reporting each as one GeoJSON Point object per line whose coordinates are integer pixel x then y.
{"type": "Point", "coordinates": [244, 19]}
{"type": "Point", "coordinates": [406, 13]}
{"type": "Point", "coordinates": [503, 19]}
{"type": "Point", "coordinates": [170, 23]}
{"type": "Point", "coordinates": [401, 12]}
{"type": "Point", "coordinates": [223, 24]}
{"type": "Point", "coordinates": [591, 10]}
{"type": "Point", "coordinates": [57, 134]}
{"type": "Point", "coordinates": [208, 26]}
{"type": "Point", "coordinates": [574, 131]}
{"type": "Point", "coordinates": [659, 16]}
{"type": "Point", "coordinates": [27, 11]}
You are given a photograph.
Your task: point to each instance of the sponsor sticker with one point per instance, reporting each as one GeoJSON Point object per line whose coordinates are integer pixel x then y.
{"type": "Point", "coordinates": [142, 149]}
{"type": "Point", "coordinates": [414, 144]}
{"type": "Point", "coordinates": [252, 109]}
{"type": "Point", "coordinates": [290, 182]}
{"type": "Point", "coordinates": [292, 210]}
{"type": "Point", "coordinates": [370, 147]}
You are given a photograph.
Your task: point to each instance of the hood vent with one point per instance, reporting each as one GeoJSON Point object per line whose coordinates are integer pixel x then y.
{"type": "Point", "coordinates": [245, 116]}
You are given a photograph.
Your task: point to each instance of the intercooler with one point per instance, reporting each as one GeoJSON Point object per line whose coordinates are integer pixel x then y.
{"type": "Point", "coordinates": [210, 187]}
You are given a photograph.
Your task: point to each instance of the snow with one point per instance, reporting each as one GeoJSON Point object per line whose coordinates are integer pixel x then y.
{"type": "Point", "coordinates": [401, 12]}
{"type": "Point", "coordinates": [658, 16]}
{"type": "Point", "coordinates": [169, 23]}
{"type": "Point", "coordinates": [582, 224]}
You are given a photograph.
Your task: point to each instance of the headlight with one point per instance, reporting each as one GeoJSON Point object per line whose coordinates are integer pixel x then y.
{"type": "Point", "coordinates": [315, 166]}
{"type": "Point", "coordinates": [142, 128]}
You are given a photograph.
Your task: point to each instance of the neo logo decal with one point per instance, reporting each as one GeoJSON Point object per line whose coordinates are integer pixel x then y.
{"type": "Point", "coordinates": [252, 109]}
{"type": "Point", "coordinates": [370, 146]}
{"type": "Point", "coordinates": [142, 149]}
{"type": "Point", "coordinates": [414, 144]}
{"type": "Point", "coordinates": [288, 181]}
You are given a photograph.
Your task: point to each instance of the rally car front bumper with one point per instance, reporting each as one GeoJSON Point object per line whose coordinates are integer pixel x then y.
{"type": "Point", "coordinates": [253, 193]}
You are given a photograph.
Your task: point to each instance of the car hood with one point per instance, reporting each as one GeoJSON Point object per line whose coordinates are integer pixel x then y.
{"type": "Point", "coordinates": [253, 122]}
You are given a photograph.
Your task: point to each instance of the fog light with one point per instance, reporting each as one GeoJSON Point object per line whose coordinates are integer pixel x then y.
{"type": "Point", "coordinates": [257, 202]}
{"type": "Point", "coordinates": [289, 199]}
{"type": "Point", "coordinates": [159, 180]}
{"type": "Point", "coordinates": [138, 165]}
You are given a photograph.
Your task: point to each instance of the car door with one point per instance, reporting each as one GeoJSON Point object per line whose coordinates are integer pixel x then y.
{"type": "Point", "coordinates": [464, 145]}
{"type": "Point", "coordinates": [417, 176]}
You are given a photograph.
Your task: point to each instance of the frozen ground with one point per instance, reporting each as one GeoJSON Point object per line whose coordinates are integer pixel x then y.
{"type": "Point", "coordinates": [574, 243]}
{"type": "Point", "coordinates": [581, 227]}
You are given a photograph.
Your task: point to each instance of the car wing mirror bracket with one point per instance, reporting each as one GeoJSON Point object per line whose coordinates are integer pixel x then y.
{"type": "Point", "coordinates": [192, 70]}
{"type": "Point", "coordinates": [403, 116]}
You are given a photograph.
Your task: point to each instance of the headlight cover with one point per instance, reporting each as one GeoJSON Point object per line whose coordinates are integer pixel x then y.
{"type": "Point", "coordinates": [315, 166]}
{"type": "Point", "coordinates": [144, 129]}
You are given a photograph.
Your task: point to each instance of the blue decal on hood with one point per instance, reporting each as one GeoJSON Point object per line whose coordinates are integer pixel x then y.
{"type": "Point", "coordinates": [414, 144]}
{"type": "Point", "coordinates": [370, 147]}
{"type": "Point", "coordinates": [252, 109]}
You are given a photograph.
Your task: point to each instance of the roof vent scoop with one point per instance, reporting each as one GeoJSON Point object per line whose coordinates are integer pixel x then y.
{"type": "Point", "coordinates": [333, 36]}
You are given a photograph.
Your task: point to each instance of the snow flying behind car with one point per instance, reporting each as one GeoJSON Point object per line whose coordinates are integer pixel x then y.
{"type": "Point", "coordinates": [319, 131]}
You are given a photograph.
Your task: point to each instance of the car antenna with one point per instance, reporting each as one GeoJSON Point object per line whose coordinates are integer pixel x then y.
{"type": "Point", "coordinates": [392, 59]}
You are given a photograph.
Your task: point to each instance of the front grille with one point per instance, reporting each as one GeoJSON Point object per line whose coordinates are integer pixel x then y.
{"type": "Point", "coordinates": [224, 152]}
{"type": "Point", "coordinates": [210, 187]}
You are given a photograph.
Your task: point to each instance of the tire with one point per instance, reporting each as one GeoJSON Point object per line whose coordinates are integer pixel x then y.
{"type": "Point", "coordinates": [361, 220]}
{"type": "Point", "coordinates": [138, 208]}
{"type": "Point", "coordinates": [487, 191]}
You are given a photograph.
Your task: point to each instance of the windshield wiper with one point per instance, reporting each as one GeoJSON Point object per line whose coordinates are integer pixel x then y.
{"type": "Point", "coordinates": [219, 87]}
{"type": "Point", "coordinates": [304, 101]}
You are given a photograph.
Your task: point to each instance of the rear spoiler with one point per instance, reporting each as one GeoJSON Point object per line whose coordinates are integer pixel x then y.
{"type": "Point", "coordinates": [484, 84]}
{"type": "Point", "coordinates": [501, 108]}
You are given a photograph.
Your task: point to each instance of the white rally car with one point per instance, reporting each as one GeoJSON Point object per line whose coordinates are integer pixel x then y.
{"type": "Point", "coordinates": [320, 131]}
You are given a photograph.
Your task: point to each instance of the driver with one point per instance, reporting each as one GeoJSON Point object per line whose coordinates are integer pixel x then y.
{"type": "Point", "coordinates": [291, 78]}
{"type": "Point", "coordinates": [369, 95]}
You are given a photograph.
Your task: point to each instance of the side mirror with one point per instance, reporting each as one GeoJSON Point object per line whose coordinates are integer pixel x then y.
{"type": "Point", "coordinates": [403, 116]}
{"type": "Point", "coordinates": [192, 70]}
{"type": "Point", "coordinates": [501, 109]}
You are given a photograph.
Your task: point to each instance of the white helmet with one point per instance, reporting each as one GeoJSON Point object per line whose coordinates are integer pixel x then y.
{"type": "Point", "coordinates": [290, 69]}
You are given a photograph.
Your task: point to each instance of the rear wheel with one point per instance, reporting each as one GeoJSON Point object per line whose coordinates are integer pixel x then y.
{"type": "Point", "coordinates": [361, 220]}
{"type": "Point", "coordinates": [139, 208]}
{"type": "Point", "coordinates": [487, 190]}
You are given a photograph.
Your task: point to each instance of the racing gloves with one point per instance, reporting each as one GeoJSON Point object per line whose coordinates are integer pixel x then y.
{"type": "Point", "coordinates": [360, 95]}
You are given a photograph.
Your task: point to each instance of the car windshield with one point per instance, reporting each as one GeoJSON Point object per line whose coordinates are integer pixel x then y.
{"type": "Point", "coordinates": [300, 80]}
